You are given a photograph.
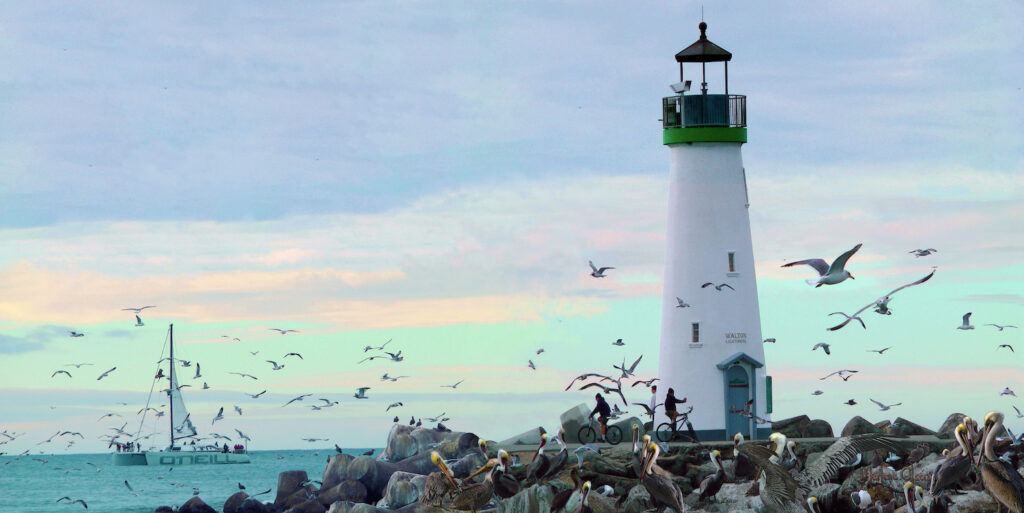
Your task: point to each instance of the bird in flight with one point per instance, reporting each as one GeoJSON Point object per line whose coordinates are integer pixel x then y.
{"type": "Point", "coordinates": [1001, 327]}
{"type": "Point", "coordinates": [823, 346]}
{"type": "Point", "coordinates": [137, 310]}
{"type": "Point", "coordinates": [395, 357]}
{"type": "Point", "coordinates": [256, 396]}
{"type": "Point", "coordinates": [245, 375]}
{"type": "Point", "coordinates": [923, 252]}
{"type": "Point", "coordinates": [138, 321]}
{"type": "Point", "coordinates": [851, 402]}
{"type": "Point", "coordinates": [966, 323]}
{"type": "Point", "coordinates": [529, 363]}
{"type": "Point", "coordinates": [361, 394]}
{"type": "Point", "coordinates": [238, 410]}
{"type": "Point", "coordinates": [879, 351]}
{"type": "Point", "coordinates": [453, 386]}
{"type": "Point", "coordinates": [294, 354]}
{"type": "Point", "coordinates": [828, 274]}
{"type": "Point", "coordinates": [104, 374]}
{"type": "Point", "coordinates": [1019, 414]}
{"type": "Point", "coordinates": [61, 372]}
{"type": "Point", "coordinates": [220, 416]}
{"type": "Point", "coordinates": [77, 334]}
{"type": "Point", "coordinates": [845, 374]}
{"type": "Point", "coordinates": [1007, 391]}
{"type": "Point", "coordinates": [276, 366]}
{"type": "Point", "coordinates": [618, 342]}
{"type": "Point", "coordinates": [680, 303]}
{"type": "Point", "coordinates": [393, 405]}
{"type": "Point", "coordinates": [197, 376]}
{"type": "Point", "coordinates": [718, 287]}
{"type": "Point", "coordinates": [647, 383]}
{"type": "Point", "coordinates": [283, 332]}
{"type": "Point", "coordinates": [385, 377]}
{"type": "Point", "coordinates": [1008, 346]}
{"type": "Point", "coordinates": [77, 365]}
{"type": "Point", "coordinates": [769, 341]}
{"type": "Point", "coordinates": [299, 398]}
{"type": "Point", "coordinates": [597, 273]}
{"type": "Point", "coordinates": [236, 339]}
{"type": "Point", "coordinates": [884, 407]}
{"type": "Point", "coordinates": [817, 392]}
{"type": "Point", "coordinates": [627, 371]}
{"type": "Point", "coordinates": [74, 501]}
{"type": "Point", "coordinates": [381, 348]}
{"type": "Point", "coordinates": [541, 350]}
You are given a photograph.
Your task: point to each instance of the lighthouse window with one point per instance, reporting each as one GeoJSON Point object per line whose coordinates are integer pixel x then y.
{"type": "Point", "coordinates": [732, 261]}
{"type": "Point", "coordinates": [696, 332]}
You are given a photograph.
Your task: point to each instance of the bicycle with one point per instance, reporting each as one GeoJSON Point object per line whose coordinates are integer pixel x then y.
{"type": "Point", "coordinates": [589, 433]}
{"type": "Point", "coordinates": [667, 430]}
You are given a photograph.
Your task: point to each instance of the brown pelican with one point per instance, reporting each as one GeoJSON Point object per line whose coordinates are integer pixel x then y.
{"type": "Point", "coordinates": [793, 462]}
{"type": "Point", "coordinates": [474, 496]}
{"type": "Point", "coordinates": [598, 506]}
{"type": "Point", "coordinates": [812, 504]}
{"type": "Point", "coordinates": [558, 462]}
{"type": "Point", "coordinates": [742, 468]}
{"type": "Point", "coordinates": [783, 492]}
{"type": "Point", "coordinates": [662, 490]}
{"type": "Point", "coordinates": [439, 485]}
{"type": "Point", "coordinates": [561, 498]}
{"type": "Point", "coordinates": [1000, 479]}
{"type": "Point", "coordinates": [540, 463]}
{"type": "Point", "coordinates": [955, 467]}
{"type": "Point", "coordinates": [505, 485]}
{"type": "Point", "coordinates": [711, 484]}
{"type": "Point", "coordinates": [637, 451]}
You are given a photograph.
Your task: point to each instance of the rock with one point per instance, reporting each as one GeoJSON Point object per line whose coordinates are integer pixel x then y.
{"type": "Point", "coordinates": [637, 500]}
{"type": "Point", "coordinates": [859, 426]}
{"type": "Point", "coordinates": [255, 506]}
{"type": "Point", "coordinates": [164, 509]}
{"type": "Point", "coordinates": [289, 482]}
{"type": "Point", "coordinates": [366, 508]}
{"type": "Point", "coordinates": [733, 497]}
{"type": "Point", "coordinates": [309, 506]}
{"type": "Point", "coordinates": [818, 428]}
{"type": "Point", "coordinates": [949, 425]}
{"type": "Point", "coordinates": [573, 419]}
{"type": "Point", "coordinates": [347, 490]}
{"type": "Point", "coordinates": [334, 472]}
{"type": "Point", "coordinates": [231, 505]}
{"type": "Point", "coordinates": [341, 507]}
{"type": "Point", "coordinates": [973, 502]}
{"type": "Point", "coordinates": [882, 425]}
{"type": "Point", "coordinates": [904, 427]}
{"type": "Point", "coordinates": [423, 508]}
{"type": "Point", "coordinates": [403, 488]}
{"type": "Point", "coordinates": [195, 505]}
{"type": "Point", "coordinates": [792, 427]}
{"type": "Point", "coordinates": [535, 499]}
{"type": "Point", "coordinates": [531, 437]}
{"type": "Point", "coordinates": [627, 428]}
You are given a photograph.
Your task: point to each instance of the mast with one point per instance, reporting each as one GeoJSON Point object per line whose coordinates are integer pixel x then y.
{"type": "Point", "coordinates": [170, 401]}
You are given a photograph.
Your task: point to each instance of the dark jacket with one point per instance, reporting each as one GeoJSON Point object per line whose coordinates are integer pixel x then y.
{"type": "Point", "coordinates": [602, 408]}
{"type": "Point", "coordinates": [670, 402]}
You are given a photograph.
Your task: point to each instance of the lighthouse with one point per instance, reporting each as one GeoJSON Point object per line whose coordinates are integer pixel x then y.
{"type": "Point", "coordinates": [711, 350]}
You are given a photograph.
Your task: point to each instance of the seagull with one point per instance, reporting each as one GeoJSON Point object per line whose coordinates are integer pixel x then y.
{"type": "Point", "coordinates": [884, 407]}
{"type": "Point", "coordinates": [845, 374]}
{"type": "Point", "coordinates": [879, 351]}
{"type": "Point", "coordinates": [849, 318]}
{"type": "Point", "coordinates": [717, 287]}
{"type": "Point", "coordinates": [205, 386]}
{"type": "Point", "coordinates": [529, 363]}
{"type": "Point", "coordinates": [680, 303]}
{"type": "Point", "coordinates": [437, 418]}
{"type": "Point", "coordinates": [1000, 327]}
{"type": "Point", "coordinates": [362, 393]}
{"type": "Point", "coordinates": [385, 377]}
{"type": "Point", "coordinates": [242, 435]}
{"type": "Point", "coordinates": [232, 338]}
{"type": "Point", "coordinates": [186, 363]}
{"type": "Point", "coordinates": [452, 386]}
{"type": "Point", "coordinates": [1019, 414]}
{"type": "Point", "coordinates": [541, 350]}
{"type": "Point", "coordinates": [381, 348]}
{"type": "Point", "coordinates": [822, 345]}
{"type": "Point", "coordinates": [817, 392]}
{"type": "Point", "coordinates": [294, 354]}
{"type": "Point", "coordinates": [220, 416]}
{"type": "Point", "coordinates": [1007, 391]}
{"type": "Point", "coordinates": [647, 383]}
{"type": "Point", "coordinates": [74, 501]}
{"type": "Point", "coordinates": [61, 372]}
{"type": "Point", "coordinates": [618, 342]}
{"type": "Point", "coordinates": [77, 334]}
{"type": "Point", "coordinates": [627, 372]}
{"type": "Point", "coordinates": [254, 353]}
{"type": "Point", "coordinates": [299, 398]}
{"type": "Point", "coordinates": [828, 274]}
{"type": "Point", "coordinates": [109, 415]}
{"type": "Point", "coordinates": [769, 341]}
{"type": "Point", "coordinates": [238, 410]}
{"type": "Point", "coordinates": [597, 273]}
{"type": "Point", "coordinates": [256, 396]}
{"type": "Point", "coordinates": [130, 489]}
{"type": "Point", "coordinates": [77, 365]}
{"type": "Point", "coordinates": [967, 323]}
{"type": "Point", "coordinates": [393, 405]}
{"type": "Point", "coordinates": [102, 375]}
{"type": "Point", "coordinates": [923, 252]}
{"type": "Point", "coordinates": [1008, 346]}
{"type": "Point", "coordinates": [851, 402]}
{"type": "Point", "coordinates": [138, 321]}
{"type": "Point", "coordinates": [245, 376]}
{"type": "Point", "coordinates": [137, 310]}
{"type": "Point", "coordinates": [276, 366]}
{"type": "Point", "coordinates": [281, 331]}
{"type": "Point", "coordinates": [311, 440]}
{"type": "Point", "coordinates": [197, 376]}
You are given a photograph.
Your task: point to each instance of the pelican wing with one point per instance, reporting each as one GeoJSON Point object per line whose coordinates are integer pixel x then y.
{"type": "Point", "coordinates": [839, 453]}
{"type": "Point", "coordinates": [818, 264]}
{"type": "Point", "coordinates": [778, 482]}
{"type": "Point", "coordinates": [889, 295]}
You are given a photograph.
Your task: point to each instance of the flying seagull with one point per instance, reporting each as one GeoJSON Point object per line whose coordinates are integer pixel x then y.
{"type": "Point", "coordinates": [1001, 327]}
{"type": "Point", "coordinates": [243, 436]}
{"type": "Point", "coordinates": [851, 402]}
{"type": "Point", "coordinates": [220, 416]}
{"type": "Point", "coordinates": [529, 363]}
{"type": "Point", "coordinates": [541, 350]}
{"type": "Point", "coordinates": [244, 375]}
{"type": "Point", "coordinates": [197, 376]}
{"type": "Point", "coordinates": [967, 323]}
{"type": "Point", "coordinates": [453, 386]}
{"type": "Point", "coordinates": [828, 274]}
{"type": "Point", "coordinates": [769, 341]}
{"type": "Point", "coordinates": [823, 346]}
{"type": "Point", "coordinates": [923, 252]}
{"type": "Point", "coordinates": [646, 383]}
{"type": "Point", "coordinates": [618, 342]}
{"type": "Point", "coordinates": [276, 366]}
{"type": "Point", "coordinates": [393, 405]}
{"type": "Point", "coordinates": [817, 392]}
{"type": "Point", "coordinates": [884, 407]}
{"type": "Point", "coordinates": [598, 273]}
{"type": "Point", "coordinates": [680, 303]}
{"type": "Point", "coordinates": [627, 371]}
{"type": "Point", "coordinates": [138, 321]}
{"type": "Point", "coordinates": [256, 396]}
{"type": "Point", "coordinates": [1019, 414]}
{"type": "Point", "coordinates": [879, 351]}
{"type": "Point", "coordinates": [103, 375]}
{"type": "Point", "coordinates": [717, 287]}
{"type": "Point", "coordinates": [61, 372]}
{"type": "Point", "coordinates": [137, 310]}
{"type": "Point", "coordinates": [238, 410]}
{"type": "Point", "coordinates": [74, 501]}
{"type": "Point", "coordinates": [845, 374]}
{"type": "Point", "coordinates": [884, 300]}
{"type": "Point", "coordinates": [77, 365]}
{"type": "Point", "coordinates": [361, 394]}
{"type": "Point", "coordinates": [283, 332]}
{"type": "Point", "coordinates": [1008, 346]}
{"type": "Point", "coordinates": [299, 398]}
{"type": "Point", "coordinates": [381, 348]}
{"type": "Point", "coordinates": [77, 334]}
{"type": "Point", "coordinates": [294, 354]}
{"type": "Point", "coordinates": [1007, 391]}
{"type": "Point", "coordinates": [385, 377]}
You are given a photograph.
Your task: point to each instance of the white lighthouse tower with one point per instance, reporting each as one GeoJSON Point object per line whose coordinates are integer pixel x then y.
{"type": "Point", "coordinates": [711, 351]}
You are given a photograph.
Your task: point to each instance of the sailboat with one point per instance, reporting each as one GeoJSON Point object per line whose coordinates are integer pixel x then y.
{"type": "Point", "coordinates": [181, 428]}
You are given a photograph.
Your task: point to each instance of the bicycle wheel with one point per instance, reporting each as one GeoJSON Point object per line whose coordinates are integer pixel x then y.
{"type": "Point", "coordinates": [664, 432]}
{"type": "Point", "coordinates": [586, 435]}
{"type": "Point", "coordinates": [613, 434]}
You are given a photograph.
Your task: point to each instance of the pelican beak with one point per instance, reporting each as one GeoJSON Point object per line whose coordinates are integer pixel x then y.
{"type": "Point", "coordinates": [481, 470]}
{"type": "Point", "coordinates": [984, 432]}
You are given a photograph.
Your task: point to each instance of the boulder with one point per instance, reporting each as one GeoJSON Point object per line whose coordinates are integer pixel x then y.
{"type": "Point", "coordinates": [859, 426]}
{"type": "Point", "coordinates": [573, 419]}
{"type": "Point", "coordinates": [289, 482]}
{"type": "Point", "coordinates": [973, 502]}
{"type": "Point", "coordinates": [164, 509]}
{"type": "Point", "coordinates": [535, 499]}
{"type": "Point", "coordinates": [627, 428]}
{"type": "Point", "coordinates": [531, 437]}
{"type": "Point", "coordinates": [416, 507]}
{"type": "Point", "coordinates": [818, 428]}
{"type": "Point", "coordinates": [883, 425]}
{"type": "Point", "coordinates": [732, 497]}
{"type": "Point", "coordinates": [903, 427]}
{"type": "Point", "coordinates": [341, 507]}
{"type": "Point", "coordinates": [334, 472]}
{"type": "Point", "coordinates": [792, 427]}
{"type": "Point", "coordinates": [195, 505]}
{"type": "Point", "coordinates": [255, 506]}
{"type": "Point", "coordinates": [347, 490]}
{"type": "Point", "coordinates": [403, 488]}
{"type": "Point", "coordinates": [366, 508]}
{"type": "Point", "coordinates": [231, 505]}
{"type": "Point", "coordinates": [637, 500]}
{"type": "Point", "coordinates": [309, 506]}
{"type": "Point", "coordinates": [949, 425]}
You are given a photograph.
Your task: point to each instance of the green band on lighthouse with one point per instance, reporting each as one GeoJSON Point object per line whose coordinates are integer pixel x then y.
{"type": "Point", "coordinates": [704, 134]}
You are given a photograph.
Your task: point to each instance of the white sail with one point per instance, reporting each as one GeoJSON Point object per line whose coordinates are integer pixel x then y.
{"type": "Point", "coordinates": [181, 424]}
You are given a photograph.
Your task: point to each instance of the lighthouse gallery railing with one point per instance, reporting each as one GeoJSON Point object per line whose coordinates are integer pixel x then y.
{"type": "Point", "coordinates": [698, 110]}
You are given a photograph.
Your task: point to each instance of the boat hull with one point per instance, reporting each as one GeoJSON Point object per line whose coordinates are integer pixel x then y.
{"type": "Point", "coordinates": [179, 458]}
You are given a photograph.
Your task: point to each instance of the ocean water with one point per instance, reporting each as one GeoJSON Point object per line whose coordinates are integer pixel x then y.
{"type": "Point", "coordinates": [29, 485]}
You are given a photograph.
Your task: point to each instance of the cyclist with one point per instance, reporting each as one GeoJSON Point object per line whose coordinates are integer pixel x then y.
{"type": "Point", "coordinates": [670, 408]}
{"type": "Point", "coordinates": [603, 411]}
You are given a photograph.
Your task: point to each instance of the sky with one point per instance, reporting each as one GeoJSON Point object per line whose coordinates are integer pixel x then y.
{"type": "Point", "coordinates": [438, 174]}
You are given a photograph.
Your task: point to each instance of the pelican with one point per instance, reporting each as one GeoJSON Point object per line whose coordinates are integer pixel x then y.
{"type": "Point", "coordinates": [793, 462]}
{"type": "Point", "coordinates": [783, 492]}
{"type": "Point", "coordinates": [560, 459]}
{"type": "Point", "coordinates": [439, 485]}
{"type": "Point", "coordinates": [561, 498]}
{"type": "Point", "coordinates": [1000, 479]}
{"type": "Point", "coordinates": [956, 466]}
{"type": "Point", "coordinates": [637, 450]}
{"type": "Point", "coordinates": [713, 483]}
{"type": "Point", "coordinates": [910, 496]}
{"type": "Point", "coordinates": [812, 504]}
{"type": "Point", "coordinates": [662, 490]}
{"type": "Point", "coordinates": [540, 463]}
{"type": "Point", "coordinates": [828, 274]}
{"type": "Point", "coordinates": [474, 496]}
{"type": "Point", "coordinates": [585, 506]}
{"type": "Point", "coordinates": [505, 486]}
{"type": "Point", "coordinates": [741, 464]}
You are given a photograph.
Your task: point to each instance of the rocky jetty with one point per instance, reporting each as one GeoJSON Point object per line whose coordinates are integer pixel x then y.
{"type": "Point", "coordinates": [395, 480]}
